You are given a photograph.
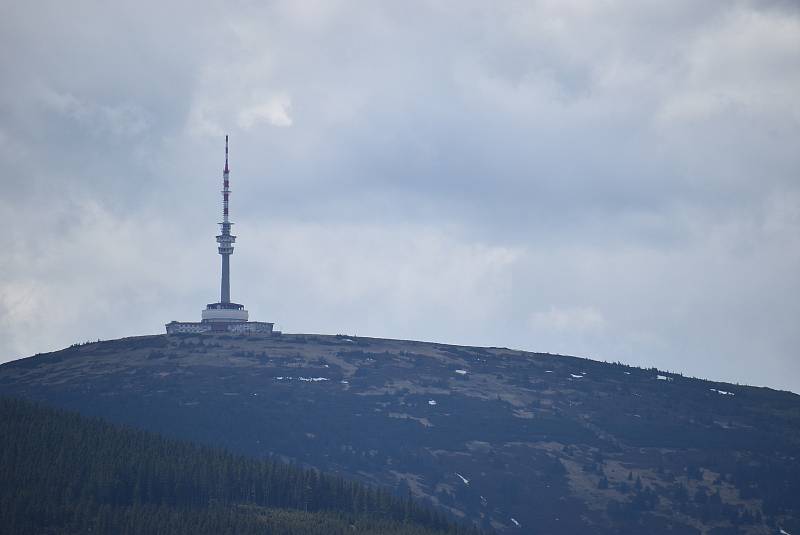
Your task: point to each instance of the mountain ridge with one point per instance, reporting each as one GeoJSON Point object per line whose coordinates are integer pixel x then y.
{"type": "Point", "coordinates": [482, 433]}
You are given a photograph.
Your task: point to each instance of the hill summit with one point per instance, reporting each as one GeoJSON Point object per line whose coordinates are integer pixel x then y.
{"type": "Point", "coordinates": [513, 441]}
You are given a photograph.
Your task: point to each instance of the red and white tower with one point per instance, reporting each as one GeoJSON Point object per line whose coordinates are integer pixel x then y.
{"type": "Point", "coordinates": [225, 310]}
{"type": "Point", "coordinates": [225, 239]}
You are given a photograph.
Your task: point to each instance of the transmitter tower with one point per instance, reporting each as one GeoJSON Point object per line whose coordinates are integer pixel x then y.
{"type": "Point", "coordinates": [223, 315]}
{"type": "Point", "coordinates": [225, 239]}
{"type": "Point", "coordinates": [224, 310]}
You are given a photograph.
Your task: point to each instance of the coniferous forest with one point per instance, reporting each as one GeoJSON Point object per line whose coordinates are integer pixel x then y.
{"type": "Point", "coordinates": [64, 473]}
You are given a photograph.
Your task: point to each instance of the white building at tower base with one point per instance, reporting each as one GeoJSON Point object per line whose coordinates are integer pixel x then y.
{"type": "Point", "coordinates": [198, 327]}
{"type": "Point", "coordinates": [222, 317]}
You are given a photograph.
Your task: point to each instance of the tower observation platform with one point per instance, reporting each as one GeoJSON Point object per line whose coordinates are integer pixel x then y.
{"type": "Point", "coordinates": [223, 316]}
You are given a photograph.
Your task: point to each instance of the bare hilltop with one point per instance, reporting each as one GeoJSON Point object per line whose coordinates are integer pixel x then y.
{"type": "Point", "coordinates": [511, 441]}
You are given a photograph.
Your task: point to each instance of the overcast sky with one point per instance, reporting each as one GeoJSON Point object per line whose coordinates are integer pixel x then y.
{"type": "Point", "coordinates": [615, 180]}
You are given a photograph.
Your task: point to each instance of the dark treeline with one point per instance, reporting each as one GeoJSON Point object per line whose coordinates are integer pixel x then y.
{"type": "Point", "coordinates": [64, 473]}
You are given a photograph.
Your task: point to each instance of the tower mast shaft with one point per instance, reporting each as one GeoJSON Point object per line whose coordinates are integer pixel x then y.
{"type": "Point", "coordinates": [225, 239]}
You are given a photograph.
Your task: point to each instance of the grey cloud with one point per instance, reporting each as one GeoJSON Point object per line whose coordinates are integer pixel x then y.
{"type": "Point", "coordinates": [616, 180]}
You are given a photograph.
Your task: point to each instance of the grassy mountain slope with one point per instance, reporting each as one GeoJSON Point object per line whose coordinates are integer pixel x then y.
{"type": "Point", "coordinates": [519, 442]}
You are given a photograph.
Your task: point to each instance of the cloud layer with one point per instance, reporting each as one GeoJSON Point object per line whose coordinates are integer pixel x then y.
{"type": "Point", "coordinates": [617, 180]}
